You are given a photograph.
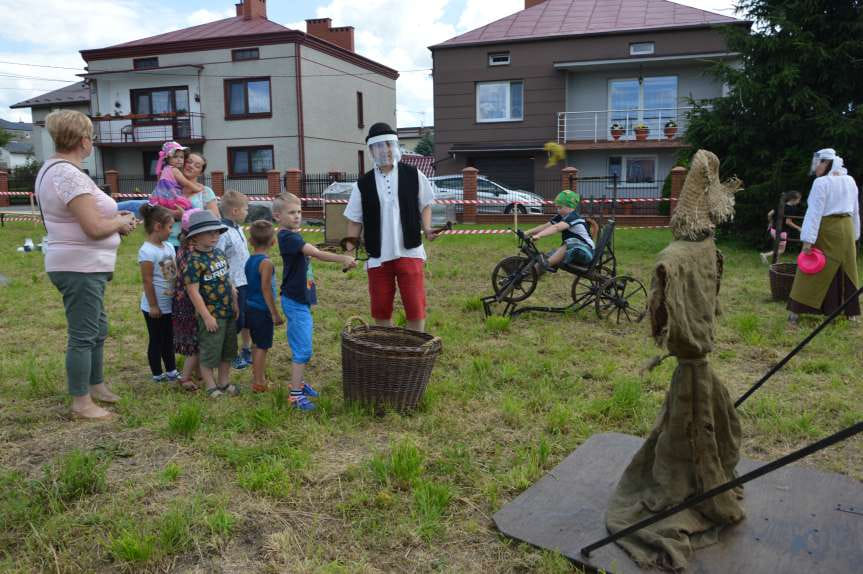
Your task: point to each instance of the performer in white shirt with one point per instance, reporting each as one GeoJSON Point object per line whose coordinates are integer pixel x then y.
{"type": "Point", "coordinates": [391, 204]}
{"type": "Point", "coordinates": [832, 224]}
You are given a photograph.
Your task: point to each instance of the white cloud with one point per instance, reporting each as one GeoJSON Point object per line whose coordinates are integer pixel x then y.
{"type": "Point", "coordinates": [203, 16]}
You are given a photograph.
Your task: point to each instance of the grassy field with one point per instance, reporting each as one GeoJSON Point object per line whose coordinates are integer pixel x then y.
{"type": "Point", "coordinates": [180, 483]}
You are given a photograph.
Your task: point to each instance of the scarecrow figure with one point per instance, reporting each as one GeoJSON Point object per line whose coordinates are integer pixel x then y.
{"type": "Point", "coordinates": [695, 443]}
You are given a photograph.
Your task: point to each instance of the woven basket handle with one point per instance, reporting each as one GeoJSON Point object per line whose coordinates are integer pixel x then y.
{"type": "Point", "coordinates": [429, 345]}
{"type": "Point", "coordinates": [350, 323]}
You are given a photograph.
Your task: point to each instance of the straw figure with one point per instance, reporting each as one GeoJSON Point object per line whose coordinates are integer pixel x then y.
{"type": "Point", "coordinates": [695, 442]}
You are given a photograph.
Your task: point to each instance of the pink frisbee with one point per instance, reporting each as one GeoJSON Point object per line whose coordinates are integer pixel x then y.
{"type": "Point", "coordinates": [811, 263]}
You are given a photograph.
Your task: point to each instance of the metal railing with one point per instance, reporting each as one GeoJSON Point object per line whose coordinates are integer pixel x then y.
{"type": "Point", "coordinates": [620, 125]}
{"type": "Point", "coordinates": [148, 128]}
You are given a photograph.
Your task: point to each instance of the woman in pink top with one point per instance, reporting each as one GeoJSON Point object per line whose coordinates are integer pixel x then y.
{"type": "Point", "coordinates": [84, 229]}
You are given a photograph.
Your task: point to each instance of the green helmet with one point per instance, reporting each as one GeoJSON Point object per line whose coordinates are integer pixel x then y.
{"type": "Point", "coordinates": [568, 198]}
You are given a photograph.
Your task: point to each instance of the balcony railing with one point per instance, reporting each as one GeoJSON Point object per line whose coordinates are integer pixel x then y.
{"type": "Point", "coordinates": [148, 128]}
{"type": "Point", "coordinates": [663, 124]}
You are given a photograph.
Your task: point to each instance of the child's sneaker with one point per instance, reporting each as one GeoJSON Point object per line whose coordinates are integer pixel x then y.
{"type": "Point", "coordinates": [172, 375]}
{"type": "Point", "coordinates": [246, 354]}
{"type": "Point", "coordinates": [301, 402]}
{"type": "Point", "coordinates": [309, 391]}
{"type": "Point", "coordinates": [160, 378]}
{"type": "Point", "coordinates": [239, 362]}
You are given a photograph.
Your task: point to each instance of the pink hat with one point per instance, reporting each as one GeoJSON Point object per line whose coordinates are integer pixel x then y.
{"type": "Point", "coordinates": [184, 223]}
{"type": "Point", "coordinates": [812, 262]}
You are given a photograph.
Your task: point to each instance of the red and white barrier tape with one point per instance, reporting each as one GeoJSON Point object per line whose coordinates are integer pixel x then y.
{"type": "Point", "coordinates": [439, 201]}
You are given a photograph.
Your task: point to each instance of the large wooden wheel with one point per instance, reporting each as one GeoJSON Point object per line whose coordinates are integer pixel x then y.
{"type": "Point", "coordinates": [514, 279]}
{"type": "Point", "coordinates": [622, 297]}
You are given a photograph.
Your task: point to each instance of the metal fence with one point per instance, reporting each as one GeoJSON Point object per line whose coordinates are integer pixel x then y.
{"type": "Point", "coordinates": [313, 185]}
{"type": "Point", "coordinates": [605, 189]}
{"type": "Point", "coordinates": [248, 185]}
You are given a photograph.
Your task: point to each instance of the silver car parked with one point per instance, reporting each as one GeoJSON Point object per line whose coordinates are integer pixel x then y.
{"type": "Point", "coordinates": [501, 199]}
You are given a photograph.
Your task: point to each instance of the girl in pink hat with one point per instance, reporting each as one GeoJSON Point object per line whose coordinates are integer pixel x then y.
{"type": "Point", "coordinates": [169, 192]}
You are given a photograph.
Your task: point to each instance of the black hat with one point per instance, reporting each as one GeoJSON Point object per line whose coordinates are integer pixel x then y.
{"type": "Point", "coordinates": [380, 129]}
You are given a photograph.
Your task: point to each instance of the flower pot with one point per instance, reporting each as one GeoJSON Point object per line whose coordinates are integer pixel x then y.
{"type": "Point", "coordinates": [616, 133]}
{"type": "Point", "coordinates": [641, 134]}
{"type": "Point", "coordinates": [670, 131]}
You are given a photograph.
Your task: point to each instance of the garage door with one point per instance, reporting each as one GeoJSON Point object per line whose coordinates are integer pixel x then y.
{"type": "Point", "coordinates": [511, 172]}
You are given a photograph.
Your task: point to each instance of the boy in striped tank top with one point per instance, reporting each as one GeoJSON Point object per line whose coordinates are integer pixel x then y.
{"type": "Point", "coordinates": [261, 311]}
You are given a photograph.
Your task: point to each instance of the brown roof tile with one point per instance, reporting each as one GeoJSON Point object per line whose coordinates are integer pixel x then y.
{"type": "Point", "coordinates": [580, 17]}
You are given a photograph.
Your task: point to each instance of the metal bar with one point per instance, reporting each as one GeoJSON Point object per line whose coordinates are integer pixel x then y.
{"type": "Point", "coordinates": [760, 471]}
{"type": "Point", "coordinates": [798, 348]}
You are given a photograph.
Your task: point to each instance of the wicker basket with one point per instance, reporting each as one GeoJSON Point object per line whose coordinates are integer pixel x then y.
{"type": "Point", "coordinates": [781, 279]}
{"type": "Point", "coordinates": [387, 367]}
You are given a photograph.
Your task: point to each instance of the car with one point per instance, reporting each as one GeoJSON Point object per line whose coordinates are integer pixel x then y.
{"type": "Point", "coordinates": [452, 187]}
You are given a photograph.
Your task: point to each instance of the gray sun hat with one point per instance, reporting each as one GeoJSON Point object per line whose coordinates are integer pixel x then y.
{"type": "Point", "coordinates": [203, 221]}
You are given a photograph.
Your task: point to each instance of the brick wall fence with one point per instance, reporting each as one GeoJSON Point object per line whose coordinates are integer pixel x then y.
{"type": "Point", "coordinates": [293, 180]}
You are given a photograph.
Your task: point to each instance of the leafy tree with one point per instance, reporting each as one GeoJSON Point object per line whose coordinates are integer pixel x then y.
{"type": "Point", "coordinates": [5, 137]}
{"type": "Point", "coordinates": [799, 89]}
{"type": "Point", "coordinates": [426, 144]}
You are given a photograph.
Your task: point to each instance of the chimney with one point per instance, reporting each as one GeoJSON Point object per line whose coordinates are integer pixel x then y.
{"type": "Point", "coordinates": [343, 36]}
{"type": "Point", "coordinates": [532, 3]}
{"type": "Point", "coordinates": [249, 9]}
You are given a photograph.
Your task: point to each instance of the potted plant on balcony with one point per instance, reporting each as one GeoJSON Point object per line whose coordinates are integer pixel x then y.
{"type": "Point", "coordinates": [641, 130]}
{"type": "Point", "coordinates": [670, 129]}
{"type": "Point", "coordinates": [616, 130]}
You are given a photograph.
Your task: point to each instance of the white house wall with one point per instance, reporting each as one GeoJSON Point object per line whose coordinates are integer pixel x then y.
{"type": "Point", "coordinates": [330, 86]}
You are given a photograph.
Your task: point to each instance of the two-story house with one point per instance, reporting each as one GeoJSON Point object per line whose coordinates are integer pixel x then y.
{"type": "Point", "coordinates": [248, 93]}
{"type": "Point", "coordinates": [585, 74]}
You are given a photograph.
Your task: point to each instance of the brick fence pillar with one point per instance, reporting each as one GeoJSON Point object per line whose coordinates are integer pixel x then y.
{"type": "Point", "coordinates": [217, 181]}
{"type": "Point", "coordinates": [293, 182]}
{"type": "Point", "coordinates": [274, 183]}
{"type": "Point", "coordinates": [5, 200]}
{"type": "Point", "coordinates": [568, 177]}
{"type": "Point", "coordinates": [678, 175]}
{"type": "Point", "coordinates": [469, 175]}
{"type": "Point", "coordinates": [112, 180]}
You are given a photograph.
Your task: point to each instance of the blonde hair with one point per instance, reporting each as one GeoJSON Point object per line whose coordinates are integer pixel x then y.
{"type": "Point", "coordinates": [68, 128]}
{"type": "Point", "coordinates": [232, 199]}
{"type": "Point", "coordinates": [285, 199]}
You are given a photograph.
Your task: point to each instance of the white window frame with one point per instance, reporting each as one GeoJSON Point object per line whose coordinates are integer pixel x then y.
{"type": "Point", "coordinates": [495, 59]}
{"type": "Point", "coordinates": [508, 104]}
{"type": "Point", "coordinates": [649, 48]}
{"type": "Point", "coordinates": [623, 169]}
{"type": "Point", "coordinates": [640, 117]}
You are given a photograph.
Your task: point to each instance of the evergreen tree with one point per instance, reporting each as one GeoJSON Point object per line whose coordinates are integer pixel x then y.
{"type": "Point", "coordinates": [426, 144]}
{"type": "Point", "coordinates": [5, 137]}
{"type": "Point", "coordinates": [797, 89]}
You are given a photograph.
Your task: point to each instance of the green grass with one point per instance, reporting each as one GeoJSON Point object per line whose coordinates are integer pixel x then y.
{"type": "Point", "coordinates": [182, 482]}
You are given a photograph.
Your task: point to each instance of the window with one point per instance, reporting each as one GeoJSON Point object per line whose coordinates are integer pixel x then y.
{"type": "Point", "coordinates": [361, 162]}
{"type": "Point", "coordinates": [250, 161]}
{"type": "Point", "coordinates": [641, 48]}
{"type": "Point", "coordinates": [248, 98]}
{"type": "Point", "coordinates": [500, 101]}
{"type": "Point", "coordinates": [652, 101]}
{"type": "Point", "coordinates": [633, 170]}
{"type": "Point", "coordinates": [156, 101]}
{"type": "Point", "coordinates": [150, 158]}
{"type": "Point", "coordinates": [245, 54]}
{"type": "Point", "coordinates": [360, 123]}
{"type": "Point", "coordinates": [498, 59]}
{"type": "Point", "coordinates": [145, 63]}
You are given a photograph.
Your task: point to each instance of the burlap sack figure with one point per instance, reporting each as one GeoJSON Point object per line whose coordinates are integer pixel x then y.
{"type": "Point", "coordinates": [695, 442]}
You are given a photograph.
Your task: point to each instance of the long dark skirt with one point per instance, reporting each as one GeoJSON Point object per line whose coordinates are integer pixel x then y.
{"type": "Point", "coordinates": [840, 289]}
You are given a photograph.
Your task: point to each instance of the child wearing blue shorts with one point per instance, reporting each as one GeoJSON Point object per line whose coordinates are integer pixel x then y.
{"type": "Point", "coordinates": [298, 292]}
{"type": "Point", "coordinates": [261, 312]}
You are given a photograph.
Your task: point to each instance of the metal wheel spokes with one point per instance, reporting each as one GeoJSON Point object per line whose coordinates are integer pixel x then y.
{"type": "Point", "coordinates": [514, 279]}
{"type": "Point", "coordinates": [585, 289]}
{"type": "Point", "coordinates": [622, 297]}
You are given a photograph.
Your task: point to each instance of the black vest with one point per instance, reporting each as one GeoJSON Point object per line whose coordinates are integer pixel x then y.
{"type": "Point", "coordinates": [409, 189]}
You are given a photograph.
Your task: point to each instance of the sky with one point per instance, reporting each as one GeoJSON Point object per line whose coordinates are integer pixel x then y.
{"type": "Point", "coordinates": [39, 44]}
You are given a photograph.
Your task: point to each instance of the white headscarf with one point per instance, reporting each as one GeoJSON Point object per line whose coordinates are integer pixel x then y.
{"type": "Point", "coordinates": [828, 154]}
{"type": "Point", "coordinates": [378, 147]}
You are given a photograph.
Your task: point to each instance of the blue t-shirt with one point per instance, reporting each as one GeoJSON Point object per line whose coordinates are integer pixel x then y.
{"type": "Point", "coordinates": [298, 282]}
{"type": "Point", "coordinates": [254, 289]}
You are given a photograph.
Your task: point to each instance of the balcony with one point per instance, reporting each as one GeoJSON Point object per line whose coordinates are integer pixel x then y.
{"type": "Point", "coordinates": [148, 130]}
{"type": "Point", "coordinates": [593, 129]}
